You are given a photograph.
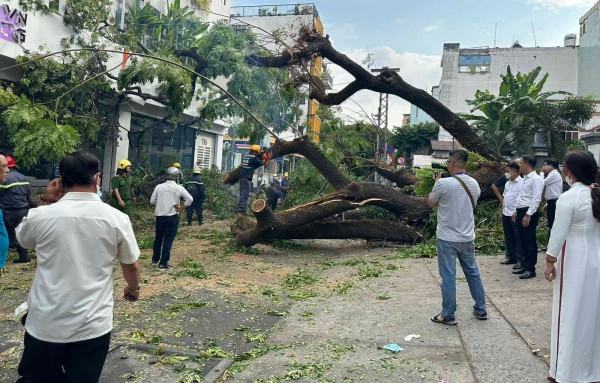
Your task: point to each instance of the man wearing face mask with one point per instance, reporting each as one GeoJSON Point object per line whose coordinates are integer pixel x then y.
{"type": "Point", "coordinates": [527, 217]}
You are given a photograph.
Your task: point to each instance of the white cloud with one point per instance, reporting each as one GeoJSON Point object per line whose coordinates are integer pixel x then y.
{"type": "Point", "coordinates": [431, 27]}
{"type": "Point", "coordinates": [400, 20]}
{"type": "Point", "coordinates": [419, 70]}
{"type": "Point", "coordinates": [345, 31]}
{"type": "Point", "coordinates": [554, 4]}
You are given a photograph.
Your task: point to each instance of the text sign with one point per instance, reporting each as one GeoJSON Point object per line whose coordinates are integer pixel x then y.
{"type": "Point", "coordinates": [12, 24]}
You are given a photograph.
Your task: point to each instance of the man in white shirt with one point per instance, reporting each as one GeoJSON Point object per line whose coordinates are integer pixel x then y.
{"type": "Point", "coordinates": [167, 198]}
{"type": "Point", "coordinates": [527, 217]}
{"type": "Point", "coordinates": [76, 240]}
{"type": "Point", "coordinates": [456, 198]}
{"type": "Point", "coordinates": [553, 184]}
{"type": "Point", "coordinates": [512, 241]}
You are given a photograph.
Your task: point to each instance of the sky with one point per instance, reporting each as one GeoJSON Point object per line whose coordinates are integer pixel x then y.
{"type": "Point", "coordinates": [410, 35]}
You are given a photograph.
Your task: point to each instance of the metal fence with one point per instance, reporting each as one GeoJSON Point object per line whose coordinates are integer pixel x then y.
{"type": "Point", "coordinates": [275, 10]}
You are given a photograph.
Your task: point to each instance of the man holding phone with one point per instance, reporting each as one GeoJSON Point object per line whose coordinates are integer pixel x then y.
{"type": "Point", "coordinates": [76, 238]}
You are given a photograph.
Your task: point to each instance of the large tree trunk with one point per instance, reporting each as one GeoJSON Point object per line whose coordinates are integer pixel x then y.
{"type": "Point", "coordinates": [304, 222]}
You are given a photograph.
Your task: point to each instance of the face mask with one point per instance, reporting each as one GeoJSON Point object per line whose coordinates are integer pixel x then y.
{"type": "Point", "coordinates": [569, 180]}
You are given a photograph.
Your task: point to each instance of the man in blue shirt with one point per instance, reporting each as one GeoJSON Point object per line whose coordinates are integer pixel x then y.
{"type": "Point", "coordinates": [251, 162]}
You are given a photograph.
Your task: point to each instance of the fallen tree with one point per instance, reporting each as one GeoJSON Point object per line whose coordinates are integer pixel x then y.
{"type": "Point", "coordinates": [323, 218]}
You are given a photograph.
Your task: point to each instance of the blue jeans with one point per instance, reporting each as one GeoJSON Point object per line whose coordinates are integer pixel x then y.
{"type": "Point", "coordinates": [447, 253]}
{"type": "Point", "coordinates": [245, 185]}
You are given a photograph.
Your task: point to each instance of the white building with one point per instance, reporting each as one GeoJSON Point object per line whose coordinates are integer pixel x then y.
{"type": "Point", "coordinates": [26, 31]}
{"type": "Point", "coordinates": [466, 70]}
{"type": "Point", "coordinates": [285, 22]}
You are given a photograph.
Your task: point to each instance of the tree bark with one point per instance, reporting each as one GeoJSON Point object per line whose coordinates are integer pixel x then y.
{"type": "Point", "coordinates": [359, 229]}
{"type": "Point", "coordinates": [271, 226]}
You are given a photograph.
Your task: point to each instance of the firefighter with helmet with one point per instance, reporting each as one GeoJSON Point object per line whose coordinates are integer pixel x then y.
{"type": "Point", "coordinates": [123, 193]}
{"type": "Point", "coordinates": [195, 187]}
{"type": "Point", "coordinates": [180, 178]}
{"type": "Point", "coordinates": [252, 161]}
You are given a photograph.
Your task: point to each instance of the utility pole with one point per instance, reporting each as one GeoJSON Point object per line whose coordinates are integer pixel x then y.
{"type": "Point", "coordinates": [382, 114]}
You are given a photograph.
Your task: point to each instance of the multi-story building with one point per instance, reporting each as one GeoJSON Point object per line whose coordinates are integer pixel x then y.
{"type": "Point", "coordinates": [466, 70]}
{"type": "Point", "coordinates": [286, 21]}
{"type": "Point", "coordinates": [26, 31]}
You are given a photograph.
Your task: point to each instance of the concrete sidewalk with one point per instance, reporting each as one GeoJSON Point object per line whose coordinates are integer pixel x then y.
{"type": "Point", "coordinates": [341, 340]}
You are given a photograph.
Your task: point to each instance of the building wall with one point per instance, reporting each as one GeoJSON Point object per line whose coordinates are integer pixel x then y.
{"type": "Point", "coordinates": [456, 87]}
{"type": "Point", "coordinates": [589, 53]}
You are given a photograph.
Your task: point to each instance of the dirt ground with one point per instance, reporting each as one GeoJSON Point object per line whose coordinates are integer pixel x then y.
{"type": "Point", "coordinates": [315, 311]}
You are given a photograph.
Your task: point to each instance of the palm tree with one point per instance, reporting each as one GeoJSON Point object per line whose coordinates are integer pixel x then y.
{"type": "Point", "coordinates": [511, 120]}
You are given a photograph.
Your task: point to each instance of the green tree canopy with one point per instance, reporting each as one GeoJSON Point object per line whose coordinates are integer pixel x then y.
{"type": "Point", "coordinates": [510, 121]}
{"type": "Point", "coordinates": [407, 139]}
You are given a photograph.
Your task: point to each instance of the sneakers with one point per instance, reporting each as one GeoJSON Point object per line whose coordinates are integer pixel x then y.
{"type": "Point", "coordinates": [154, 263]}
{"type": "Point", "coordinates": [166, 267]}
{"type": "Point", "coordinates": [482, 316]}
{"type": "Point", "coordinates": [21, 260]}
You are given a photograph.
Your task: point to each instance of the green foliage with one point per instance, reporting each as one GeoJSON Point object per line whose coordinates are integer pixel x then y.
{"type": "Point", "coordinates": [299, 278]}
{"type": "Point", "coordinates": [369, 272]}
{"type": "Point", "coordinates": [145, 241]}
{"type": "Point", "coordinates": [508, 122]}
{"type": "Point", "coordinates": [421, 250]}
{"type": "Point", "coordinates": [425, 181]}
{"type": "Point", "coordinates": [342, 288]}
{"type": "Point", "coordinates": [407, 139]}
{"type": "Point", "coordinates": [193, 269]}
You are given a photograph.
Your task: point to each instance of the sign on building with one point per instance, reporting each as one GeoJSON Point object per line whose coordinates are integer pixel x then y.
{"type": "Point", "coordinates": [12, 24]}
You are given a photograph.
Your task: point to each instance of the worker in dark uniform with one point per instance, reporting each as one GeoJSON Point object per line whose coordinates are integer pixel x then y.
{"type": "Point", "coordinates": [15, 199]}
{"type": "Point", "coordinates": [123, 191]}
{"type": "Point", "coordinates": [179, 179]}
{"type": "Point", "coordinates": [195, 187]}
{"type": "Point", "coordinates": [251, 162]}
{"type": "Point", "coordinates": [273, 194]}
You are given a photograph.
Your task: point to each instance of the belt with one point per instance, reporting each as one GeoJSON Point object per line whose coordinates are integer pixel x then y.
{"type": "Point", "coordinates": [552, 200]}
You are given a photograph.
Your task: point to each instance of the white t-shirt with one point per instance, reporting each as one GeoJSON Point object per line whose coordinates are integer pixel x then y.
{"type": "Point", "coordinates": [76, 240]}
{"type": "Point", "coordinates": [455, 212]}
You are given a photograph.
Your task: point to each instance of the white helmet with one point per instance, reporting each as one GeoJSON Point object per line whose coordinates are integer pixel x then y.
{"type": "Point", "coordinates": [196, 169]}
{"type": "Point", "coordinates": [173, 171]}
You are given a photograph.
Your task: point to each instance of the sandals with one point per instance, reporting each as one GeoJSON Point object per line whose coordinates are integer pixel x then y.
{"type": "Point", "coordinates": [450, 321]}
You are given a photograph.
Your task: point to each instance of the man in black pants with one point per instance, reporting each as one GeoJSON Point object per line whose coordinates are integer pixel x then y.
{"type": "Point", "coordinates": [553, 184]}
{"type": "Point", "coordinates": [195, 187]}
{"type": "Point", "coordinates": [77, 240]}
{"type": "Point", "coordinates": [15, 200]}
{"type": "Point", "coordinates": [167, 198]}
{"type": "Point", "coordinates": [512, 239]}
{"type": "Point", "coordinates": [527, 216]}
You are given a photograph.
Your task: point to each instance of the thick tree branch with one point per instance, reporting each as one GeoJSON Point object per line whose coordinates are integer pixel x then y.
{"type": "Point", "coordinates": [386, 82]}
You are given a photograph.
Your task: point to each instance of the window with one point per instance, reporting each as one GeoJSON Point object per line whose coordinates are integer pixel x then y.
{"type": "Point", "coordinates": [239, 28]}
{"type": "Point", "coordinates": [162, 145]}
{"type": "Point", "coordinates": [571, 135]}
{"type": "Point", "coordinates": [583, 27]}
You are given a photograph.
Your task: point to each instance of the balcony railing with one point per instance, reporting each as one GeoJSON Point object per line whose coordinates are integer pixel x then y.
{"type": "Point", "coordinates": [275, 10]}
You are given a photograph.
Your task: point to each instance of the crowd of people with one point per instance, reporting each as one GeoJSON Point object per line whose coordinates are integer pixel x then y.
{"type": "Point", "coordinates": [572, 256]}
{"type": "Point", "coordinates": [68, 318]}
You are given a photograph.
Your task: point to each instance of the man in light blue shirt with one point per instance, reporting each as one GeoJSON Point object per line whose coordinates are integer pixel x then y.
{"type": "Point", "coordinates": [456, 198]}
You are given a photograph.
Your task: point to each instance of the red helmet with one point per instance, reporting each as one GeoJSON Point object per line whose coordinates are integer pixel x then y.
{"type": "Point", "coordinates": [11, 161]}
